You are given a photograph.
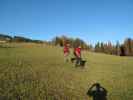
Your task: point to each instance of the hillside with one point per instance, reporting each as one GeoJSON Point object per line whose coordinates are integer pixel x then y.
{"type": "Point", "coordinates": [38, 72]}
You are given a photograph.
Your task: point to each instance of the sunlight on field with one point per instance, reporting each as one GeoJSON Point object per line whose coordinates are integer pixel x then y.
{"type": "Point", "coordinates": [38, 72]}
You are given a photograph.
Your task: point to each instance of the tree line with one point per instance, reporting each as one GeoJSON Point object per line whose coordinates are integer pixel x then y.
{"type": "Point", "coordinates": [74, 42]}
{"type": "Point", "coordinates": [123, 49]}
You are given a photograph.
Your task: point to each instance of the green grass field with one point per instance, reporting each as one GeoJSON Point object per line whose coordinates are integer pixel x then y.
{"type": "Point", "coordinates": [38, 72]}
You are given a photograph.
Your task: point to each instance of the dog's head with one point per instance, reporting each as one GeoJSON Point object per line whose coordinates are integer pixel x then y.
{"type": "Point", "coordinates": [83, 63]}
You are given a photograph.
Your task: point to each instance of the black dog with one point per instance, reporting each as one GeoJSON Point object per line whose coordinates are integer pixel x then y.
{"type": "Point", "coordinates": [73, 59]}
{"type": "Point", "coordinates": [82, 62]}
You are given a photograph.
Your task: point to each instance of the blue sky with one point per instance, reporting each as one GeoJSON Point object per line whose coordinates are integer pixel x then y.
{"type": "Point", "coordinates": [90, 20]}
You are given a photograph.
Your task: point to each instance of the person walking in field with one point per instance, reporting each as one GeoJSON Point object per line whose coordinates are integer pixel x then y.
{"type": "Point", "coordinates": [66, 52]}
{"type": "Point", "coordinates": [77, 53]}
{"type": "Point", "coordinates": [78, 59]}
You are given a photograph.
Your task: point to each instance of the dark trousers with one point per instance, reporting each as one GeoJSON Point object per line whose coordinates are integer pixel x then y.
{"type": "Point", "coordinates": [78, 61]}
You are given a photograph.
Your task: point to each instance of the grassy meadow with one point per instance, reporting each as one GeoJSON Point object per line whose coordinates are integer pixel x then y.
{"type": "Point", "coordinates": [38, 72]}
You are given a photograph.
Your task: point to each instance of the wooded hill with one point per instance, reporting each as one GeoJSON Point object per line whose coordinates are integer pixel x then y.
{"type": "Point", "coordinates": [123, 49]}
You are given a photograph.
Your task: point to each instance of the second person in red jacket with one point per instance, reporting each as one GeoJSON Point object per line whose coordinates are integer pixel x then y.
{"type": "Point", "coordinates": [77, 53]}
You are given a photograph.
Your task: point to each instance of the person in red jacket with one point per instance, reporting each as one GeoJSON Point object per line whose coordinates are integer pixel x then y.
{"type": "Point", "coordinates": [77, 53]}
{"type": "Point", "coordinates": [66, 52]}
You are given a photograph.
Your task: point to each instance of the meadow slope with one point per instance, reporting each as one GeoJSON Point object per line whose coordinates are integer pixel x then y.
{"type": "Point", "coordinates": [38, 72]}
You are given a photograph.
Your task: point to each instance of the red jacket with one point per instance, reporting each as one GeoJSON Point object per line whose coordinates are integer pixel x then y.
{"type": "Point", "coordinates": [78, 52]}
{"type": "Point", "coordinates": [66, 49]}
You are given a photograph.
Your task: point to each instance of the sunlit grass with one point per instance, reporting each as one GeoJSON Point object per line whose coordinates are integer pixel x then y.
{"type": "Point", "coordinates": [38, 72]}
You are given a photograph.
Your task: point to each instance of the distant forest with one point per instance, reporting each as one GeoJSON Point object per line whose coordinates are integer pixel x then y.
{"type": "Point", "coordinates": [123, 49]}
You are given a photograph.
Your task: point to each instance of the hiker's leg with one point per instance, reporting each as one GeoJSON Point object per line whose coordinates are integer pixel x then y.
{"type": "Point", "coordinates": [66, 57]}
{"type": "Point", "coordinates": [80, 60]}
{"type": "Point", "coordinates": [77, 61]}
